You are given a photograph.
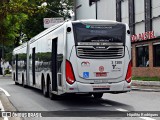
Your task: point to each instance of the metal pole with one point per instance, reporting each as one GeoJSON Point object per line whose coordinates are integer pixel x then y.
{"type": "Point", "coordinates": [2, 49]}
{"type": "Point", "coordinates": [96, 10]}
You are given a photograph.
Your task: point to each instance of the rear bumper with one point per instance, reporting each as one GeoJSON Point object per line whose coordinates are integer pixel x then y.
{"type": "Point", "coordinates": [119, 87]}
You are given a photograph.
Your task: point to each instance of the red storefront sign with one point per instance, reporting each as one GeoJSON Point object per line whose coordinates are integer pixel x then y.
{"type": "Point", "coordinates": [143, 36]}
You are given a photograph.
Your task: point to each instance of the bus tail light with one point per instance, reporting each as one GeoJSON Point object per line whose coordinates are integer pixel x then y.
{"type": "Point", "coordinates": [69, 73]}
{"type": "Point", "coordinates": [129, 73]}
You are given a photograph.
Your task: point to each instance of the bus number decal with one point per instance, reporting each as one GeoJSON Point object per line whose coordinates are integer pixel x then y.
{"type": "Point", "coordinates": [115, 67]}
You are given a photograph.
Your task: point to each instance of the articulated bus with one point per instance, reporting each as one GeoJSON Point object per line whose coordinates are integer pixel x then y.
{"type": "Point", "coordinates": [77, 57]}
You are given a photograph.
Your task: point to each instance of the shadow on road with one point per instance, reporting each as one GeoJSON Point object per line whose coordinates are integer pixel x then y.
{"type": "Point", "coordinates": [78, 102]}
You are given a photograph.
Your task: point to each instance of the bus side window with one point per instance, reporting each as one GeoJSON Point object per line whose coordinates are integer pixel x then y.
{"type": "Point", "coordinates": [59, 62]}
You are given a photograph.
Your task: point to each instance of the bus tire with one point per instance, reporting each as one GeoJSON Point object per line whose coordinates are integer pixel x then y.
{"type": "Point", "coordinates": [23, 82]}
{"type": "Point", "coordinates": [98, 95]}
{"type": "Point", "coordinates": [14, 78]}
{"type": "Point", "coordinates": [51, 95]}
{"type": "Point", "coordinates": [16, 83]}
{"type": "Point", "coordinates": [25, 86]}
{"type": "Point", "coordinates": [44, 89]}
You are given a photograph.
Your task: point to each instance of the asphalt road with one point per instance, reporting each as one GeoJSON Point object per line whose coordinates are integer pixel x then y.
{"type": "Point", "coordinates": [27, 99]}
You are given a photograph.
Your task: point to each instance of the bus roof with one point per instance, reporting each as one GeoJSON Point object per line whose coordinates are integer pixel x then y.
{"type": "Point", "coordinates": [94, 21]}
{"type": "Point", "coordinates": [45, 32]}
{"type": "Point", "coordinates": [20, 47]}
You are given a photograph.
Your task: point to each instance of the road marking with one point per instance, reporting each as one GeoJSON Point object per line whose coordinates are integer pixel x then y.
{"type": "Point", "coordinates": [122, 110]}
{"type": "Point", "coordinates": [147, 118]}
{"type": "Point", "coordinates": [2, 109]}
{"type": "Point", "coordinates": [5, 92]}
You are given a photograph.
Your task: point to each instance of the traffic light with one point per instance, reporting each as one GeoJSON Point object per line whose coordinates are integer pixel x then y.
{"type": "Point", "coordinates": [91, 2]}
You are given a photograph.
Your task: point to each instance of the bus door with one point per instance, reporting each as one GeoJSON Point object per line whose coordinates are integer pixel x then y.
{"type": "Point", "coordinates": [16, 68]}
{"type": "Point", "coordinates": [54, 64]}
{"type": "Point", "coordinates": [33, 66]}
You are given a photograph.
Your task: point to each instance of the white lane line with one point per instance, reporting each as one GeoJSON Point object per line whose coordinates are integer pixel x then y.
{"type": "Point", "coordinates": [2, 109]}
{"type": "Point", "coordinates": [5, 92]}
{"type": "Point", "coordinates": [147, 118]}
{"type": "Point", "coordinates": [122, 110]}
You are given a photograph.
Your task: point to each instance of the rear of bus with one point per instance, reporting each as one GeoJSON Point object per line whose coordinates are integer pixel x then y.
{"type": "Point", "coordinates": [98, 57]}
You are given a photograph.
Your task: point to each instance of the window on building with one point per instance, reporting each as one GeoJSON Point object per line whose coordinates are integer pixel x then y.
{"type": "Point", "coordinates": [142, 56]}
{"type": "Point", "coordinates": [156, 55]}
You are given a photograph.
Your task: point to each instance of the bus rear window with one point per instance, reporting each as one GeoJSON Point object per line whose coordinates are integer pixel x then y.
{"type": "Point", "coordinates": [108, 33]}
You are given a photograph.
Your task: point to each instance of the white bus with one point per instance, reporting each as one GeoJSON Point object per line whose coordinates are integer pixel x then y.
{"type": "Point", "coordinates": [81, 57]}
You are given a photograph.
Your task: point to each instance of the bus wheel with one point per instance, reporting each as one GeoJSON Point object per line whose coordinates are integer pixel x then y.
{"type": "Point", "coordinates": [14, 78]}
{"type": "Point", "coordinates": [45, 93]}
{"type": "Point", "coordinates": [23, 82]}
{"type": "Point", "coordinates": [16, 83]}
{"type": "Point", "coordinates": [98, 95]}
{"type": "Point", "coordinates": [51, 95]}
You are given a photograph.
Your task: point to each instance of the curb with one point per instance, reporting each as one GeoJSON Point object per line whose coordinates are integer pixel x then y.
{"type": "Point", "coordinates": [147, 86]}
{"type": "Point", "coordinates": [8, 106]}
{"type": "Point", "coordinates": [145, 83]}
{"type": "Point", "coordinates": [146, 90]}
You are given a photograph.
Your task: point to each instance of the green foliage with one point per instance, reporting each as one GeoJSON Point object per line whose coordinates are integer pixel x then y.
{"type": "Point", "coordinates": [13, 14]}
{"type": "Point", "coordinates": [146, 78]}
{"type": "Point", "coordinates": [34, 24]}
{"type": "Point", "coordinates": [20, 20]}
{"type": "Point", "coordinates": [13, 24]}
{"type": "Point", "coordinates": [8, 57]}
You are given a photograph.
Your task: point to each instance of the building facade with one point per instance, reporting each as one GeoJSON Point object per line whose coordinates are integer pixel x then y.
{"type": "Point", "coordinates": [143, 18]}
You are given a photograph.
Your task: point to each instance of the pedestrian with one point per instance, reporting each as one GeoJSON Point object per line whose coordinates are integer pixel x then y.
{"type": "Point", "coordinates": [2, 66]}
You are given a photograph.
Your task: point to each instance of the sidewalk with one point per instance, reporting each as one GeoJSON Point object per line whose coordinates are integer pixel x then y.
{"type": "Point", "coordinates": [149, 86]}
{"type": "Point", "coordinates": [8, 76]}
{"type": "Point", "coordinates": [6, 105]}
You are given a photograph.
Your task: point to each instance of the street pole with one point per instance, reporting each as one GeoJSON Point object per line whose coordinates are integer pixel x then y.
{"type": "Point", "coordinates": [2, 48]}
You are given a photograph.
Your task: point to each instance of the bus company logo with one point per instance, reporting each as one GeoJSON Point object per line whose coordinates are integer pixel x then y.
{"type": "Point", "coordinates": [101, 68]}
{"type": "Point", "coordinates": [85, 64]}
{"type": "Point", "coordinates": [113, 66]}
{"type": "Point", "coordinates": [6, 114]}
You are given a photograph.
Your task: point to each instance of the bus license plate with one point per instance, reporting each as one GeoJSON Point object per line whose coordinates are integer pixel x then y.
{"type": "Point", "coordinates": [101, 74]}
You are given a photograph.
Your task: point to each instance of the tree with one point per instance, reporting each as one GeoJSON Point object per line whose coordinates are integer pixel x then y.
{"type": "Point", "coordinates": [23, 19]}
{"type": "Point", "coordinates": [34, 24]}
{"type": "Point", "coordinates": [13, 14]}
